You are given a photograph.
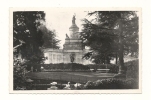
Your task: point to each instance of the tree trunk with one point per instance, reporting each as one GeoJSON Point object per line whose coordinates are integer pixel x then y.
{"type": "Point", "coordinates": [121, 60]}
{"type": "Point", "coordinates": [116, 58]}
{"type": "Point", "coordinates": [121, 51]}
{"type": "Point", "coordinates": [122, 71]}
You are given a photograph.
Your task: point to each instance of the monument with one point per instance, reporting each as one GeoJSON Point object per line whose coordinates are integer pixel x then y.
{"type": "Point", "coordinates": [72, 45]}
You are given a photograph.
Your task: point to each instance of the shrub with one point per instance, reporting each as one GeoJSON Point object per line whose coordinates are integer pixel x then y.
{"type": "Point", "coordinates": [132, 69]}
{"type": "Point", "coordinates": [111, 84]}
{"type": "Point", "coordinates": [61, 67]}
{"type": "Point", "coordinates": [98, 66]}
{"type": "Point", "coordinates": [19, 78]}
{"type": "Point", "coordinates": [113, 68]}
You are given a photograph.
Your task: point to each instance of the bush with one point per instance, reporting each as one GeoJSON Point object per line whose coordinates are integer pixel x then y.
{"type": "Point", "coordinates": [98, 66]}
{"type": "Point", "coordinates": [73, 67]}
{"type": "Point", "coordinates": [113, 68]}
{"type": "Point", "coordinates": [61, 67]}
{"type": "Point", "coordinates": [132, 69]}
{"type": "Point", "coordinates": [111, 84]}
{"type": "Point", "coordinates": [131, 66]}
{"type": "Point", "coordinates": [19, 78]}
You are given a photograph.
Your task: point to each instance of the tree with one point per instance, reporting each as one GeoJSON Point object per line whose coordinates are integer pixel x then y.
{"type": "Point", "coordinates": [27, 43]}
{"type": "Point", "coordinates": [25, 31]}
{"type": "Point", "coordinates": [29, 38]}
{"type": "Point", "coordinates": [49, 38]}
{"type": "Point", "coordinates": [111, 34]}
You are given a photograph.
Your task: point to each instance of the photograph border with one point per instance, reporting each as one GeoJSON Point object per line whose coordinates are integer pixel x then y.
{"type": "Point", "coordinates": [119, 91]}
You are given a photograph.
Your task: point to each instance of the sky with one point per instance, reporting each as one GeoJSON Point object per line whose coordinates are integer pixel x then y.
{"type": "Point", "coordinates": [60, 21]}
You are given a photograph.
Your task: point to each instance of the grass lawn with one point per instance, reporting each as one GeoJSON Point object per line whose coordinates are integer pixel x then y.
{"type": "Point", "coordinates": [80, 77]}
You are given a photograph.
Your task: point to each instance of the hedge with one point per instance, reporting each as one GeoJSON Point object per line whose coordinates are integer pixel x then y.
{"type": "Point", "coordinates": [60, 66]}
{"type": "Point", "coordinates": [73, 67]}
{"type": "Point", "coordinates": [111, 84]}
{"type": "Point", "coordinates": [132, 69]}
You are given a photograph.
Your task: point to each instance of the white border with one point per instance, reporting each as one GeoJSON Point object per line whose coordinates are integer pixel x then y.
{"type": "Point", "coordinates": [73, 91]}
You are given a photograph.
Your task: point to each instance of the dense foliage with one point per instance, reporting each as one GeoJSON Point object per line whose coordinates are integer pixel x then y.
{"type": "Point", "coordinates": [131, 66]}
{"type": "Point", "coordinates": [25, 32]}
{"type": "Point", "coordinates": [49, 38]}
{"type": "Point", "coordinates": [73, 67]}
{"type": "Point", "coordinates": [131, 82]}
{"type": "Point", "coordinates": [20, 81]}
{"type": "Point", "coordinates": [111, 84]}
{"type": "Point", "coordinates": [30, 36]}
{"type": "Point", "coordinates": [60, 67]}
{"type": "Point", "coordinates": [132, 69]}
{"type": "Point", "coordinates": [111, 34]}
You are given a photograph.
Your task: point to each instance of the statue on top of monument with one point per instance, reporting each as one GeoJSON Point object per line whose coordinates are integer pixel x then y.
{"type": "Point", "coordinates": [73, 19]}
{"type": "Point", "coordinates": [67, 36]}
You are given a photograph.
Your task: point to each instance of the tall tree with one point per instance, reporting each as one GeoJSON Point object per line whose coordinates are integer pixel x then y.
{"type": "Point", "coordinates": [111, 33]}
{"type": "Point", "coordinates": [25, 32]}
{"type": "Point", "coordinates": [49, 37]}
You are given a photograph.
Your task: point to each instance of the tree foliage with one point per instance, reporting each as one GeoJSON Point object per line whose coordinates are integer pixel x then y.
{"type": "Point", "coordinates": [111, 33]}
{"type": "Point", "coordinates": [49, 38]}
{"type": "Point", "coordinates": [30, 35]}
{"type": "Point", "coordinates": [25, 32]}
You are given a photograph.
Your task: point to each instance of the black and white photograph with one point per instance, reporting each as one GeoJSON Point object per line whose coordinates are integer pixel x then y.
{"type": "Point", "coordinates": [74, 49]}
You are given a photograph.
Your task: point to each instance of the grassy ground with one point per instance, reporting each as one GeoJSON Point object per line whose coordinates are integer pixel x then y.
{"type": "Point", "coordinates": [80, 77]}
{"type": "Point", "coordinates": [42, 80]}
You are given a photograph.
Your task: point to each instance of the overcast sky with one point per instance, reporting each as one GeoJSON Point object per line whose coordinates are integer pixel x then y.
{"type": "Point", "coordinates": [62, 20]}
